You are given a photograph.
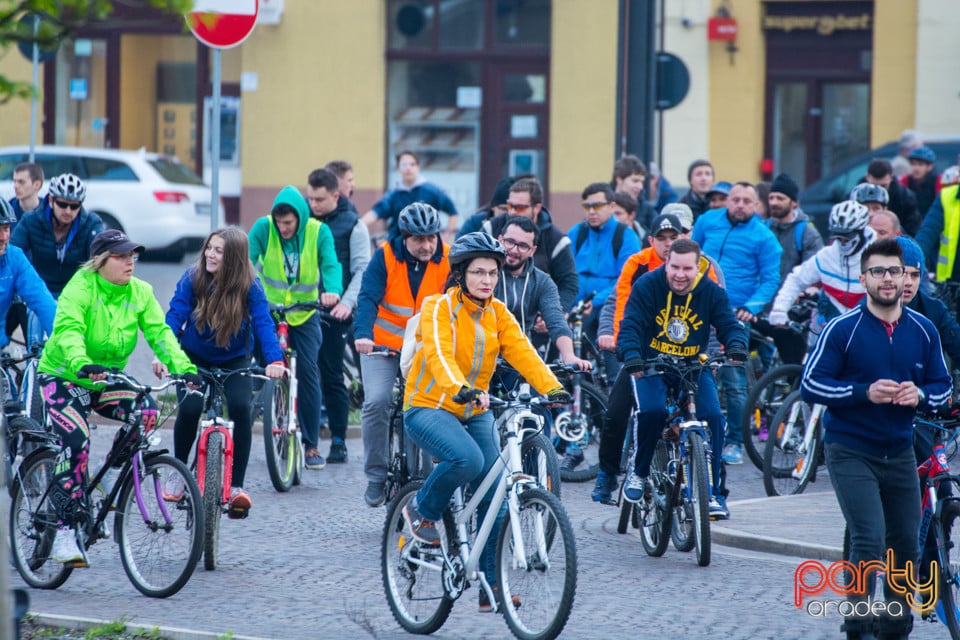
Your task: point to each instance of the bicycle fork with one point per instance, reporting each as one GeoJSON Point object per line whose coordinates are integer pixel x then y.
{"type": "Point", "coordinates": [225, 428]}
{"type": "Point", "coordinates": [787, 432]}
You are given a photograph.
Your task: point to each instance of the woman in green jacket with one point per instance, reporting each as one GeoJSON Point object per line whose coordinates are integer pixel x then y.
{"type": "Point", "coordinates": [99, 314]}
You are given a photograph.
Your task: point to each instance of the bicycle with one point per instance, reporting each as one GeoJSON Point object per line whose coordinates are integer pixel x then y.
{"type": "Point", "coordinates": [681, 477]}
{"type": "Point", "coordinates": [278, 406]}
{"type": "Point", "coordinates": [22, 413]}
{"type": "Point", "coordinates": [160, 541]}
{"type": "Point", "coordinates": [536, 555]}
{"type": "Point", "coordinates": [213, 462]}
{"type": "Point", "coordinates": [794, 448]}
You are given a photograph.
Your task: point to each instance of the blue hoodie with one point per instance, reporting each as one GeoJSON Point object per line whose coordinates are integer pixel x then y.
{"type": "Point", "coordinates": [18, 277]}
{"type": "Point", "coordinates": [597, 266]}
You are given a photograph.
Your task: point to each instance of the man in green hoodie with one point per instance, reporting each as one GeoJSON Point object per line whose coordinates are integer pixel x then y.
{"type": "Point", "coordinates": [296, 259]}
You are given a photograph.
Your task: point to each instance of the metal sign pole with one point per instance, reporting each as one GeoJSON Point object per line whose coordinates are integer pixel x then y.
{"type": "Point", "coordinates": [36, 76]}
{"type": "Point", "coordinates": [215, 146]}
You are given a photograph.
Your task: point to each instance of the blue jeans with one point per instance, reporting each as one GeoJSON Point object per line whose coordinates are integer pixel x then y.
{"type": "Point", "coordinates": [652, 395]}
{"type": "Point", "coordinates": [466, 452]}
{"type": "Point", "coordinates": [733, 379]}
{"type": "Point", "coordinates": [305, 340]}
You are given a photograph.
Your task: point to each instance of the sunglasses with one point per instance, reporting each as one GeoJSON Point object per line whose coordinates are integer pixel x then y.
{"type": "Point", "coordinates": [593, 206]}
{"type": "Point", "coordinates": [517, 207]}
{"type": "Point", "coordinates": [73, 206]}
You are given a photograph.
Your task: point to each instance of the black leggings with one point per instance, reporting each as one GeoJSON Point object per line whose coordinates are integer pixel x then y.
{"type": "Point", "coordinates": [239, 391]}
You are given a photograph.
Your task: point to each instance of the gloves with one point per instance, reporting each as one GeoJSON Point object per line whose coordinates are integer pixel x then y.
{"type": "Point", "coordinates": [88, 370]}
{"type": "Point", "coordinates": [778, 318]}
{"type": "Point", "coordinates": [633, 365]}
{"type": "Point", "coordinates": [559, 396]}
{"type": "Point", "coordinates": [737, 355]}
{"type": "Point", "coordinates": [192, 379]}
{"type": "Point", "coordinates": [466, 394]}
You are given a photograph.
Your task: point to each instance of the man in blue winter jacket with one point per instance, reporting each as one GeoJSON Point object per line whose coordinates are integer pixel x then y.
{"type": "Point", "coordinates": [873, 367]}
{"type": "Point", "coordinates": [18, 277]}
{"type": "Point", "coordinates": [749, 255]}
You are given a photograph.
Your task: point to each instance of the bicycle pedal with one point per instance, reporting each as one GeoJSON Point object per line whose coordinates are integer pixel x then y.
{"type": "Point", "coordinates": [77, 564]}
{"type": "Point", "coordinates": [610, 503]}
{"type": "Point", "coordinates": [237, 514]}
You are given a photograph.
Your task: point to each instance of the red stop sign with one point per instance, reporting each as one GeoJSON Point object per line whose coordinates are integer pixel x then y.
{"type": "Point", "coordinates": [222, 23]}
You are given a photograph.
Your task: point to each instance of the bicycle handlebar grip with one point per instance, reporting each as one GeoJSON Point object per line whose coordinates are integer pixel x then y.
{"type": "Point", "coordinates": [466, 395]}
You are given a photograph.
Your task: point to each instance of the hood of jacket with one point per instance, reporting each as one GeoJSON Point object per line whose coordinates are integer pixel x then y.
{"type": "Point", "coordinates": [290, 195]}
{"type": "Point", "coordinates": [800, 215]}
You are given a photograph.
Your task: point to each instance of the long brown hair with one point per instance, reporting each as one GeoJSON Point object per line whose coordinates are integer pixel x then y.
{"type": "Point", "coordinates": [221, 297]}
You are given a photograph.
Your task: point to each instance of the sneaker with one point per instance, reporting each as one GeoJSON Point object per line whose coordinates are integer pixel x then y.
{"type": "Point", "coordinates": [420, 528]}
{"type": "Point", "coordinates": [634, 490]}
{"type": "Point", "coordinates": [486, 607]}
{"type": "Point", "coordinates": [314, 460]}
{"type": "Point", "coordinates": [733, 454]}
{"type": "Point", "coordinates": [376, 494]}
{"type": "Point", "coordinates": [606, 485]}
{"type": "Point", "coordinates": [572, 458]}
{"type": "Point", "coordinates": [65, 548]}
{"type": "Point", "coordinates": [239, 505]}
{"type": "Point", "coordinates": [718, 508]}
{"type": "Point", "coordinates": [173, 487]}
{"type": "Point", "coordinates": [338, 451]}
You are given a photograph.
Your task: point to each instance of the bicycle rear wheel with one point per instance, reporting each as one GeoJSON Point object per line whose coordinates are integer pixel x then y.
{"type": "Point", "coordinates": [33, 523]}
{"type": "Point", "coordinates": [788, 462]}
{"type": "Point", "coordinates": [766, 396]}
{"type": "Point", "coordinates": [546, 585]}
{"type": "Point", "coordinates": [699, 496]}
{"type": "Point", "coordinates": [657, 514]}
{"type": "Point", "coordinates": [539, 460]}
{"type": "Point", "coordinates": [681, 529]}
{"type": "Point", "coordinates": [281, 446]}
{"type": "Point", "coordinates": [212, 496]}
{"type": "Point", "coordinates": [593, 409]}
{"type": "Point", "coordinates": [413, 573]}
{"type": "Point", "coordinates": [160, 547]}
{"type": "Point", "coordinates": [949, 605]}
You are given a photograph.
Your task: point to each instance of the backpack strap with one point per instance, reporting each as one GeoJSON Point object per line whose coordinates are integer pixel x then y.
{"type": "Point", "coordinates": [798, 230]}
{"type": "Point", "coordinates": [617, 237]}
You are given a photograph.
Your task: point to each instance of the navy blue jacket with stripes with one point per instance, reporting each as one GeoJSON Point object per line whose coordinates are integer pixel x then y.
{"type": "Point", "coordinates": [853, 352]}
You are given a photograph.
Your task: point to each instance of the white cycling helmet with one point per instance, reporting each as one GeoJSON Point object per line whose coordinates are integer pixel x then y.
{"type": "Point", "coordinates": [848, 217]}
{"type": "Point", "coordinates": [867, 192]}
{"type": "Point", "coordinates": [68, 186]}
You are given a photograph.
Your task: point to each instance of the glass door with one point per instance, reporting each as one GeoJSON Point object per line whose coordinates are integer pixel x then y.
{"type": "Point", "coordinates": [81, 119]}
{"type": "Point", "coordinates": [845, 129]}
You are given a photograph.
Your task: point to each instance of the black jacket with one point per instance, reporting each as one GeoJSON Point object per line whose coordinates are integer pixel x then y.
{"type": "Point", "coordinates": [903, 202]}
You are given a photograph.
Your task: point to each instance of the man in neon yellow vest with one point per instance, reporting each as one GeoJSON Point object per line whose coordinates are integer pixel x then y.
{"type": "Point", "coordinates": [297, 262]}
{"type": "Point", "coordinates": [939, 233]}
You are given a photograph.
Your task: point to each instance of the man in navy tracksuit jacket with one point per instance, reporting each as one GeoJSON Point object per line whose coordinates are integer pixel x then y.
{"type": "Point", "coordinates": [872, 367]}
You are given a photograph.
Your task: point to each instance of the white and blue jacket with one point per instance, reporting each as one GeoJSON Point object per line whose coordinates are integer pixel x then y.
{"type": "Point", "coordinates": [854, 351]}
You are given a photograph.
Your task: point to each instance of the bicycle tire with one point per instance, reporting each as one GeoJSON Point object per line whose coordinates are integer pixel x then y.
{"type": "Point", "coordinates": [398, 471]}
{"type": "Point", "coordinates": [280, 445]}
{"type": "Point", "coordinates": [949, 586]}
{"type": "Point", "coordinates": [33, 524]}
{"type": "Point", "coordinates": [781, 459]}
{"type": "Point", "coordinates": [627, 513]}
{"type": "Point", "coordinates": [547, 586]}
{"type": "Point", "coordinates": [655, 521]}
{"type": "Point", "coordinates": [158, 557]}
{"type": "Point", "coordinates": [212, 496]}
{"type": "Point", "coordinates": [295, 451]}
{"type": "Point", "coordinates": [419, 606]}
{"type": "Point", "coordinates": [593, 407]}
{"type": "Point", "coordinates": [699, 496]}
{"type": "Point", "coordinates": [681, 527]}
{"type": "Point", "coordinates": [538, 458]}
{"type": "Point", "coordinates": [762, 403]}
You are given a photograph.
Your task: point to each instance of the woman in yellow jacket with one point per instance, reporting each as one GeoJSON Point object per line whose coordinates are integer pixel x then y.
{"type": "Point", "coordinates": [445, 400]}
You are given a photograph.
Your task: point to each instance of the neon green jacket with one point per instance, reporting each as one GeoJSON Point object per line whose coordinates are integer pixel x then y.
{"type": "Point", "coordinates": [97, 323]}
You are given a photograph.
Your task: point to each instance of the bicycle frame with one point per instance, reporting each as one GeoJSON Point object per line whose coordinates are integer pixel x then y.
{"type": "Point", "coordinates": [224, 427]}
{"type": "Point", "coordinates": [283, 336]}
{"type": "Point", "coordinates": [810, 425]}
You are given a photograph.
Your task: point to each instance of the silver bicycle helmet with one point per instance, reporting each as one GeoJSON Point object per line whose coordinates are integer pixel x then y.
{"type": "Point", "coordinates": [475, 245]}
{"type": "Point", "coordinates": [867, 192]}
{"type": "Point", "coordinates": [7, 216]}
{"type": "Point", "coordinates": [68, 186]}
{"type": "Point", "coordinates": [847, 217]}
{"type": "Point", "coordinates": [419, 219]}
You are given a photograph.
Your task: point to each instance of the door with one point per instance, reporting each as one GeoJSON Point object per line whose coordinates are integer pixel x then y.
{"type": "Point", "coordinates": [516, 121]}
{"type": "Point", "coordinates": [81, 93]}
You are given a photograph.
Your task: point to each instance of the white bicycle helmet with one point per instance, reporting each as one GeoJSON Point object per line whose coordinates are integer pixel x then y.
{"type": "Point", "coordinates": [848, 217]}
{"type": "Point", "coordinates": [867, 192]}
{"type": "Point", "coordinates": [68, 186]}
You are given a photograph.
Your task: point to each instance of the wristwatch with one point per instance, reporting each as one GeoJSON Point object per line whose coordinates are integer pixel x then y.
{"type": "Point", "coordinates": [921, 395]}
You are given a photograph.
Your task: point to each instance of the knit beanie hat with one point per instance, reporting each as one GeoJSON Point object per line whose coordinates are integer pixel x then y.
{"type": "Point", "coordinates": [785, 184]}
{"type": "Point", "coordinates": [912, 254]}
{"type": "Point", "coordinates": [501, 192]}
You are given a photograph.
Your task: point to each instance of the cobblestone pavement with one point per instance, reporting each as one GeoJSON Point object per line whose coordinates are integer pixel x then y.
{"type": "Point", "coordinates": [306, 565]}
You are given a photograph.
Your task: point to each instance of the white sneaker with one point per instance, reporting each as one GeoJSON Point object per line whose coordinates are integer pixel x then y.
{"type": "Point", "coordinates": [173, 487]}
{"type": "Point", "coordinates": [65, 548]}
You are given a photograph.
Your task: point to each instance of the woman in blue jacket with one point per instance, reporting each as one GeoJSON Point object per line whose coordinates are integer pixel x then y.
{"type": "Point", "coordinates": [217, 310]}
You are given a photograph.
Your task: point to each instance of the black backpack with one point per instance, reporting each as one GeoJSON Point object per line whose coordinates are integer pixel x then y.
{"type": "Point", "coordinates": [617, 237]}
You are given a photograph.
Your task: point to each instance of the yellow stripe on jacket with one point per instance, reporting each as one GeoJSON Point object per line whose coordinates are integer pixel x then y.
{"type": "Point", "coordinates": [461, 341]}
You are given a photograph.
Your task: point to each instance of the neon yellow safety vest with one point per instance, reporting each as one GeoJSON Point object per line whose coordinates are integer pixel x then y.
{"type": "Point", "coordinates": [273, 273]}
{"type": "Point", "coordinates": [950, 233]}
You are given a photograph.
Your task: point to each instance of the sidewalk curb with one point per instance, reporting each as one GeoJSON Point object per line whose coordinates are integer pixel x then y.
{"type": "Point", "coordinates": [768, 544]}
{"type": "Point", "coordinates": [173, 633]}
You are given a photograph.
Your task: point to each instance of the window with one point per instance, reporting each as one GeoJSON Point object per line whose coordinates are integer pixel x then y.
{"type": "Point", "coordinates": [103, 169]}
{"type": "Point", "coordinates": [522, 23]}
{"type": "Point", "coordinates": [56, 165]}
{"type": "Point", "coordinates": [411, 24]}
{"type": "Point", "coordinates": [9, 163]}
{"type": "Point", "coordinates": [175, 172]}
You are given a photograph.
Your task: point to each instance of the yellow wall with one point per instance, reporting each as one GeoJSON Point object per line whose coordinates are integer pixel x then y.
{"type": "Point", "coordinates": [15, 114]}
{"type": "Point", "coordinates": [320, 95]}
{"type": "Point", "coordinates": [737, 98]}
{"type": "Point", "coordinates": [892, 103]}
{"type": "Point", "coordinates": [583, 93]}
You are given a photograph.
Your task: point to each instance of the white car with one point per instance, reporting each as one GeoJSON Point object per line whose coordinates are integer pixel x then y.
{"type": "Point", "coordinates": [155, 199]}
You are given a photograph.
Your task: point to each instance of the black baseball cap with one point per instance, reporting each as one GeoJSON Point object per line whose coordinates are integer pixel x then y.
{"type": "Point", "coordinates": [665, 222]}
{"type": "Point", "coordinates": [114, 241]}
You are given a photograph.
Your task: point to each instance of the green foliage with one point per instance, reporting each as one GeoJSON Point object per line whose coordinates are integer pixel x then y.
{"type": "Point", "coordinates": [108, 629]}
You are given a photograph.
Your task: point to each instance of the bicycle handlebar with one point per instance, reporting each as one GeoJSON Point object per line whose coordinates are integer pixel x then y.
{"type": "Point", "coordinates": [221, 375]}
{"type": "Point", "coordinates": [119, 377]}
{"type": "Point", "coordinates": [284, 309]}
{"type": "Point", "coordinates": [578, 308]}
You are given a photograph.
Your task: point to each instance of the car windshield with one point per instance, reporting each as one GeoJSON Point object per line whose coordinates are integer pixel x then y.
{"type": "Point", "coordinates": [173, 171]}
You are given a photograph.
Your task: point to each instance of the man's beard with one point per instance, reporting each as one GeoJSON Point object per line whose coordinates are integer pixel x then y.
{"type": "Point", "coordinates": [882, 302]}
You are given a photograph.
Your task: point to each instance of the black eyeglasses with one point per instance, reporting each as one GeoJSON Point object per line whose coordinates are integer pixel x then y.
{"type": "Point", "coordinates": [73, 206]}
{"type": "Point", "coordinates": [512, 244]}
{"type": "Point", "coordinates": [881, 272]}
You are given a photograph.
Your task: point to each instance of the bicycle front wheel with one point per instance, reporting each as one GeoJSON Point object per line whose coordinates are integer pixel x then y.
{"type": "Point", "coordinates": [950, 569]}
{"type": "Point", "coordinates": [765, 397]}
{"type": "Point", "coordinates": [280, 444]}
{"type": "Point", "coordinates": [33, 523]}
{"type": "Point", "coordinates": [212, 495]}
{"type": "Point", "coordinates": [536, 589]}
{"type": "Point", "coordinates": [539, 460]}
{"type": "Point", "coordinates": [593, 409]}
{"type": "Point", "coordinates": [159, 546]}
{"type": "Point", "coordinates": [413, 573]}
{"type": "Point", "coordinates": [699, 496]}
{"type": "Point", "coordinates": [656, 514]}
{"type": "Point", "coordinates": [791, 457]}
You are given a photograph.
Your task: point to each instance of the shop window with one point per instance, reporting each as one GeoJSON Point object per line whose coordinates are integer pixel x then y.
{"type": "Point", "coordinates": [411, 24]}
{"type": "Point", "coordinates": [522, 23]}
